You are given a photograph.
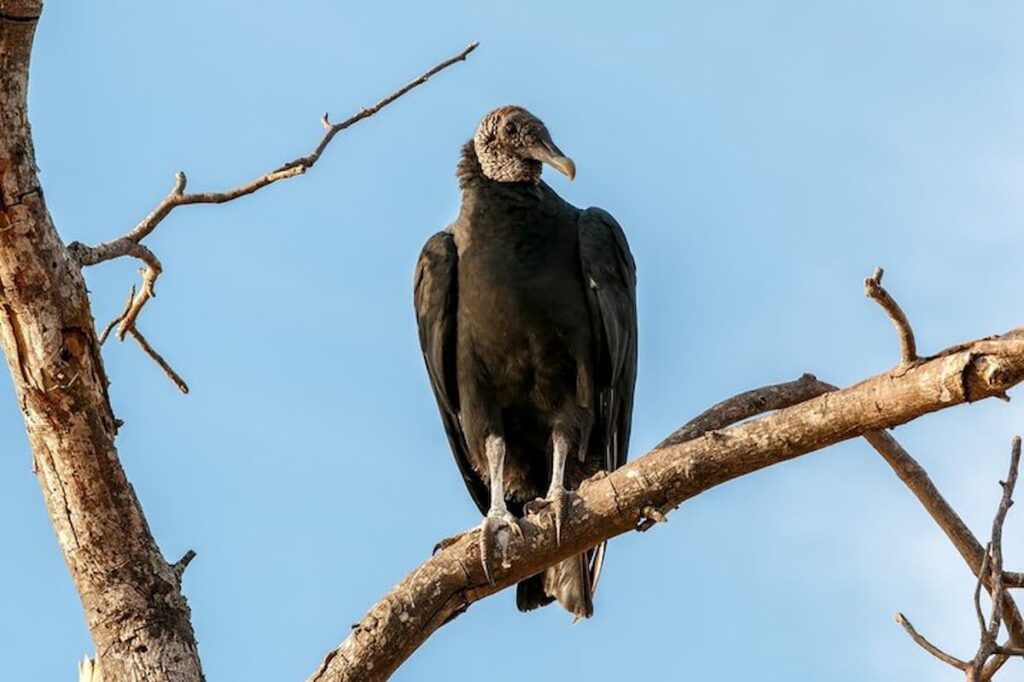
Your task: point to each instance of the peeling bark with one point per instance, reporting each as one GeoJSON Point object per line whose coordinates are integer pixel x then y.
{"type": "Point", "coordinates": [132, 599]}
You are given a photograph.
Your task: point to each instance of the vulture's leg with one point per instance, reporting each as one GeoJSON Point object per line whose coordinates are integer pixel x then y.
{"type": "Point", "coordinates": [499, 522]}
{"type": "Point", "coordinates": [558, 497]}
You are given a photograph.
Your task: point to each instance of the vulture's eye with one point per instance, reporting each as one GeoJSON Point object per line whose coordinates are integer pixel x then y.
{"type": "Point", "coordinates": [510, 129]}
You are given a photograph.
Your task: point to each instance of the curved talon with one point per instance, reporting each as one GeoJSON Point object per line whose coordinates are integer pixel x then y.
{"type": "Point", "coordinates": [445, 543]}
{"type": "Point", "coordinates": [490, 530]}
{"type": "Point", "coordinates": [558, 502]}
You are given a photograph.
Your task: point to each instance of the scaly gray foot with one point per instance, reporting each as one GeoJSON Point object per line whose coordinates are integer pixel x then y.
{"type": "Point", "coordinates": [557, 501]}
{"type": "Point", "coordinates": [497, 528]}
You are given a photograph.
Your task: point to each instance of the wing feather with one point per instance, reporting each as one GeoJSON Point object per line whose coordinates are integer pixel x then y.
{"type": "Point", "coordinates": [435, 295]}
{"type": "Point", "coordinates": [609, 273]}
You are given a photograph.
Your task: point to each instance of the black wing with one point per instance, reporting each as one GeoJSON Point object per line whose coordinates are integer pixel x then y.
{"type": "Point", "coordinates": [609, 274]}
{"type": "Point", "coordinates": [435, 295]}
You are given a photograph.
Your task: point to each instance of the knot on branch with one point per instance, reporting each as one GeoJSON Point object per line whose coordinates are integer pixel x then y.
{"type": "Point", "coordinates": [179, 566]}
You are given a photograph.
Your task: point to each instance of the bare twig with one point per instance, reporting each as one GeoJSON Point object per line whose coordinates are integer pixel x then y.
{"type": "Point", "coordinates": [158, 359]}
{"type": "Point", "coordinates": [181, 564]}
{"type": "Point", "coordinates": [990, 655]}
{"type": "Point", "coordinates": [928, 646]}
{"type": "Point", "coordinates": [873, 289]}
{"type": "Point", "coordinates": [113, 323]}
{"type": "Point", "coordinates": [983, 574]}
{"type": "Point", "coordinates": [178, 196]}
{"type": "Point", "coordinates": [913, 475]}
{"type": "Point", "coordinates": [131, 245]}
{"type": "Point", "coordinates": [143, 342]}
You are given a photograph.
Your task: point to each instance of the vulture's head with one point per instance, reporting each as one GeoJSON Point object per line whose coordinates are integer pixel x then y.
{"type": "Point", "coordinates": [511, 144]}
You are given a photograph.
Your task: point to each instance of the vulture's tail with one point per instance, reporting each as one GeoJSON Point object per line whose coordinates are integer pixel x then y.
{"type": "Point", "coordinates": [571, 582]}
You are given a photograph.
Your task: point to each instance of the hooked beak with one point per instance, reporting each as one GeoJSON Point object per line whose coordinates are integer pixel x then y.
{"type": "Point", "coordinates": [547, 152]}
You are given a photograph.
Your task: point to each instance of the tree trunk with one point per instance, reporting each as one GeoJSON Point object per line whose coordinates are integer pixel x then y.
{"type": "Point", "coordinates": [132, 599]}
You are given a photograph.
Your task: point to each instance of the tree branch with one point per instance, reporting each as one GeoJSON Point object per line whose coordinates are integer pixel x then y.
{"type": "Point", "coordinates": [611, 504]}
{"type": "Point", "coordinates": [133, 606]}
{"type": "Point", "coordinates": [130, 244]}
{"type": "Point", "coordinates": [990, 655]}
{"type": "Point", "coordinates": [873, 289]}
{"type": "Point", "coordinates": [928, 646]}
{"type": "Point", "coordinates": [917, 480]}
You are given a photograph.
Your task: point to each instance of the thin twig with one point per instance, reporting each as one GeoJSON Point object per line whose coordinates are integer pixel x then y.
{"type": "Point", "coordinates": [998, 590]}
{"type": "Point", "coordinates": [914, 476]}
{"type": "Point", "coordinates": [113, 323]}
{"type": "Point", "coordinates": [873, 289]}
{"type": "Point", "coordinates": [928, 646]}
{"type": "Point", "coordinates": [178, 196]}
{"type": "Point", "coordinates": [990, 655]}
{"type": "Point", "coordinates": [158, 359]}
{"type": "Point", "coordinates": [986, 570]}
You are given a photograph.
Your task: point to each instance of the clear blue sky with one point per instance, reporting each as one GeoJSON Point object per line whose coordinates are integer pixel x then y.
{"type": "Point", "coordinates": [763, 158]}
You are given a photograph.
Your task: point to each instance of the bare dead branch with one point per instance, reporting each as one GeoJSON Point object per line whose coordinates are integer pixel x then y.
{"type": "Point", "coordinates": [1013, 579]}
{"type": "Point", "coordinates": [451, 580]}
{"type": "Point", "coordinates": [120, 316]}
{"type": "Point", "coordinates": [913, 475]}
{"type": "Point", "coordinates": [181, 564]}
{"type": "Point", "coordinates": [746, 405]}
{"type": "Point", "coordinates": [967, 545]}
{"type": "Point", "coordinates": [158, 359]}
{"type": "Point", "coordinates": [873, 289]}
{"type": "Point", "coordinates": [178, 196]}
{"type": "Point", "coordinates": [928, 646]}
{"type": "Point", "coordinates": [131, 245]}
{"type": "Point", "coordinates": [983, 574]}
{"type": "Point", "coordinates": [990, 655]}
{"type": "Point", "coordinates": [996, 544]}
{"type": "Point", "coordinates": [731, 411]}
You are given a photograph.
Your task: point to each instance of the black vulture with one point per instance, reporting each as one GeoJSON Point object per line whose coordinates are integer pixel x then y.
{"type": "Point", "coordinates": [526, 307]}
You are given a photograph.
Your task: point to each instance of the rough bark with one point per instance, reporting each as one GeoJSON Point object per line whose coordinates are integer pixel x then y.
{"type": "Point", "coordinates": [132, 599]}
{"type": "Point", "coordinates": [613, 504]}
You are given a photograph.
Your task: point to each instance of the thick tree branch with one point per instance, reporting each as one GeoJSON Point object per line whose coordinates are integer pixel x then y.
{"type": "Point", "coordinates": [130, 244]}
{"type": "Point", "coordinates": [133, 605]}
{"type": "Point", "coordinates": [612, 504]}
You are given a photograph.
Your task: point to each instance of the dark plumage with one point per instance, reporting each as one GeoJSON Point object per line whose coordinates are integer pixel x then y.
{"type": "Point", "coordinates": [526, 309]}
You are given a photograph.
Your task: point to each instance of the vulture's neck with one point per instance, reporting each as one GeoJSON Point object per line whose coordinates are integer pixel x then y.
{"type": "Point", "coordinates": [472, 177]}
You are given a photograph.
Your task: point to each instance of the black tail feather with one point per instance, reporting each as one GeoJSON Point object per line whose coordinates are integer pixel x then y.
{"type": "Point", "coordinates": [530, 593]}
{"type": "Point", "coordinates": [569, 581]}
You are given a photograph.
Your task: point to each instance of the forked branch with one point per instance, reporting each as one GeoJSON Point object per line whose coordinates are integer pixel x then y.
{"type": "Point", "coordinates": [130, 244]}
{"type": "Point", "coordinates": [990, 655]}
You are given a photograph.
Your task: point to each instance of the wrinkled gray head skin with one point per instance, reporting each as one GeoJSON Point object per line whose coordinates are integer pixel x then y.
{"type": "Point", "coordinates": [511, 144]}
